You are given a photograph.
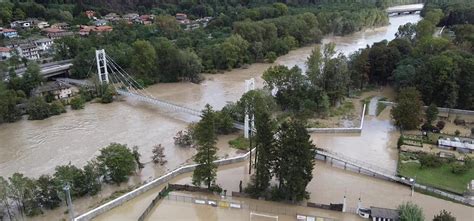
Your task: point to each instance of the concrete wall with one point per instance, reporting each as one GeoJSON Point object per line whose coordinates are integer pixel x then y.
{"type": "Point", "coordinates": [341, 130]}
{"type": "Point", "coordinates": [440, 109]}
{"type": "Point", "coordinates": [155, 183]}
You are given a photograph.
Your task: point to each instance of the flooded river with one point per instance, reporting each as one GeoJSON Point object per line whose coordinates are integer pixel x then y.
{"type": "Point", "coordinates": [37, 147]}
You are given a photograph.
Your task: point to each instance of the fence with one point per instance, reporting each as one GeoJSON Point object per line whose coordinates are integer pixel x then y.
{"type": "Point", "coordinates": [148, 186]}
{"type": "Point", "coordinates": [232, 203]}
{"type": "Point", "coordinates": [440, 109]}
{"type": "Point", "coordinates": [153, 203]}
{"type": "Point", "coordinates": [341, 130]}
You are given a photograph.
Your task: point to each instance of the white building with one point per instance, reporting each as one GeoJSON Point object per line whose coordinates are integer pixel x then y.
{"type": "Point", "coordinates": [28, 51]}
{"type": "Point", "coordinates": [463, 146]}
{"type": "Point", "coordinates": [21, 24]}
{"type": "Point", "coordinates": [44, 44]}
{"type": "Point", "coordinates": [56, 89]}
{"type": "Point", "coordinates": [42, 24]}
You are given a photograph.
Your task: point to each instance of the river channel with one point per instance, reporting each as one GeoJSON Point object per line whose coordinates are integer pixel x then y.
{"type": "Point", "coordinates": [37, 147]}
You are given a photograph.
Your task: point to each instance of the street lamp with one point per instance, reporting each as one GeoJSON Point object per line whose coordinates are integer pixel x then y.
{"type": "Point", "coordinates": [67, 191]}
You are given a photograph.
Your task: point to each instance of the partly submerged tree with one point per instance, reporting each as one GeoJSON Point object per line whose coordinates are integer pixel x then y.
{"type": "Point", "coordinates": [205, 138]}
{"type": "Point", "coordinates": [410, 212]}
{"type": "Point", "coordinates": [408, 111]}
{"type": "Point", "coordinates": [116, 162]}
{"type": "Point", "coordinates": [444, 216]}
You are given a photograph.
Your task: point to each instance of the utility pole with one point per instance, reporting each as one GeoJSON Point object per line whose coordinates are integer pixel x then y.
{"type": "Point", "coordinates": [413, 181]}
{"type": "Point", "coordinates": [67, 191]}
{"type": "Point", "coordinates": [250, 147]}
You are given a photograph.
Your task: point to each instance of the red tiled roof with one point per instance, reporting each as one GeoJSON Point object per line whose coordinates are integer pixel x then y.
{"type": "Point", "coordinates": [104, 28]}
{"type": "Point", "coordinates": [8, 30]}
{"type": "Point", "coordinates": [53, 30]}
{"type": "Point", "coordinates": [4, 49]}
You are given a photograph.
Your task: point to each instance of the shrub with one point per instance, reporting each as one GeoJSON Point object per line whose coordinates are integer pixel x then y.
{"type": "Point", "coordinates": [400, 142]}
{"type": "Point", "coordinates": [57, 108]}
{"type": "Point", "coordinates": [458, 168]}
{"type": "Point", "coordinates": [77, 103]}
{"type": "Point", "coordinates": [457, 133]}
{"type": "Point", "coordinates": [429, 127]}
{"type": "Point", "coordinates": [429, 161]}
{"type": "Point", "coordinates": [184, 138]}
{"type": "Point", "coordinates": [440, 125]}
{"type": "Point", "coordinates": [472, 131]}
{"type": "Point", "coordinates": [37, 109]}
{"type": "Point", "coordinates": [271, 57]}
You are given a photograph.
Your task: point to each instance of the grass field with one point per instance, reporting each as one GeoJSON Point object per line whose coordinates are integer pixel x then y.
{"type": "Point", "coordinates": [240, 143]}
{"type": "Point", "coordinates": [440, 177]}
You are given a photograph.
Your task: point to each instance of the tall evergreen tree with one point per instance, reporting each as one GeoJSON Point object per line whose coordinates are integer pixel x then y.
{"type": "Point", "coordinates": [294, 160]}
{"type": "Point", "coordinates": [265, 145]}
{"type": "Point", "coordinates": [205, 135]}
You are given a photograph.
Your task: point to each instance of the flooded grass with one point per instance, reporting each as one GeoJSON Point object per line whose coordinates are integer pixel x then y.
{"type": "Point", "coordinates": [346, 108]}
{"type": "Point", "coordinates": [440, 177]}
{"type": "Point", "coordinates": [240, 143]}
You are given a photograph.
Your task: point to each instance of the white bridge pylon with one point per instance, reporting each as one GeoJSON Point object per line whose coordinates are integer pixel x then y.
{"type": "Point", "coordinates": [249, 86]}
{"type": "Point", "coordinates": [109, 72]}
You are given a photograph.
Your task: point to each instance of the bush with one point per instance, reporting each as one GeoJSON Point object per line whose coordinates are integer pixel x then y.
{"type": "Point", "coordinates": [472, 131]}
{"type": "Point", "coordinates": [457, 132]}
{"type": "Point", "coordinates": [37, 109]}
{"type": "Point", "coordinates": [271, 57]}
{"type": "Point", "coordinates": [429, 161]}
{"type": "Point", "coordinates": [459, 169]}
{"type": "Point", "coordinates": [57, 108]}
{"type": "Point", "coordinates": [400, 142]}
{"type": "Point", "coordinates": [184, 138]}
{"type": "Point", "coordinates": [440, 125]}
{"type": "Point", "coordinates": [77, 103]}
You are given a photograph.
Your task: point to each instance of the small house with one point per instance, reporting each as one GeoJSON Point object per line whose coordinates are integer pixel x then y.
{"type": "Point", "coordinates": [61, 25]}
{"type": "Point", "coordinates": [383, 214]}
{"type": "Point", "coordinates": [90, 14]}
{"type": "Point", "coordinates": [112, 17]}
{"type": "Point", "coordinates": [44, 44]}
{"type": "Point", "coordinates": [55, 89]}
{"type": "Point", "coordinates": [100, 22]}
{"type": "Point", "coordinates": [5, 53]}
{"type": "Point", "coordinates": [42, 25]}
{"type": "Point", "coordinates": [9, 33]}
{"type": "Point", "coordinates": [21, 24]}
{"type": "Point", "coordinates": [56, 33]}
{"type": "Point", "coordinates": [131, 16]}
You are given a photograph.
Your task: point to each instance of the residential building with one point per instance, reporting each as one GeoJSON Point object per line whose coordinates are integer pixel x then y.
{"type": "Point", "coordinates": [55, 33]}
{"type": "Point", "coordinates": [9, 33]}
{"type": "Point", "coordinates": [61, 25]}
{"type": "Point", "coordinates": [55, 89]}
{"type": "Point", "coordinates": [28, 51]}
{"type": "Point", "coordinates": [145, 19]}
{"type": "Point", "coordinates": [100, 22]}
{"type": "Point", "coordinates": [112, 17]}
{"type": "Point", "coordinates": [42, 25]}
{"type": "Point", "coordinates": [21, 24]}
{"type": "Point", "coordinates": [130, 16]}
{"type": "Point", "coordinates": [5, 53]}
{"type": "Point", "coordinates": [86, 30]}
{"type": "Point", "coordinates": [182, 18]}
{"type": "Point", "coordinates": [44, 44]}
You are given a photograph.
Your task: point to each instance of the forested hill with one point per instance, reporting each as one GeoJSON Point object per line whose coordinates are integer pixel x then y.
{"type": "Point", "coordinates": [207, 5]}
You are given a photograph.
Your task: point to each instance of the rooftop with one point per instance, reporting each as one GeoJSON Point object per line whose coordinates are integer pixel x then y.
{"type": "Point", "coordinates": [384, 213]}
{"type": "Point", "coordinates": [50, 86]}
{"type": "Point", "coordinates": [5, 49]}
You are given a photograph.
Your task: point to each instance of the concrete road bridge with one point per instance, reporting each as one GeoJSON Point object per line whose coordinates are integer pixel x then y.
{"type": "Point", "coordinates": [404, 9]}
{"type": "Point", "coordinates": [52, 69]}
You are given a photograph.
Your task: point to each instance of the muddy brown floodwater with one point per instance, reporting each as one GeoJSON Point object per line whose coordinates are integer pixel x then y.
{"type": "Point", "coordinates": [37, 147]}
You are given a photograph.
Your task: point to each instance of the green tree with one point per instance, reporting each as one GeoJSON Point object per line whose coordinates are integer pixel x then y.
{"type": "Point", "coordinates": [72, 176]}
{"type": "Point", "coordinates": [22, 193]}
{"type": "Point", "coordinates": [205, 136]}
{"type": "Point", "coordinates": [116, 162]}
{"type": "Point", "coordinates": [47, 193]}
{"type": "Point", "coordinates": [143, 58]}
{"type": "Point", "coordinates": [408, 111]}
{"type": "Point", "coordinates": [8, 105]}
{"type": "Point", "coordinates": [431, 113]}
{"type": "Point", "coordinates": [265, 150]}
{"type": "Point", "coordinates": [37, 109]}
{"type": "Point", "coordinates": [410, 212]}
{"type": "Point", "coordinates": [4, 196]}
{"type": "Point", "coordinates": [31, 78]}
{"type": "Point", "coordinates": [294, 161]}
{"type": "Point", "coordinates": [91, 172]}
{"type": "Point", "coordinates": [444, 216]}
